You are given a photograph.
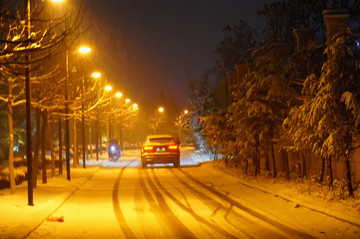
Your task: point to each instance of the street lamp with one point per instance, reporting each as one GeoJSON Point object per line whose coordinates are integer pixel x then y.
{"type": "Point", "coordinates": [127, 100]}
{"type": "Point", "coordinates": [97, 75]}
{"type": "Point", "coordinates": [84, 50]}
{"type": "Point", "coordinates": [27, 15]}
{"type": "Point", "coordinates": [108, 88]}
{"type": "Point", "coordinates": [180, 122]}
{"type": "Point", "coordinates": [160, 110]}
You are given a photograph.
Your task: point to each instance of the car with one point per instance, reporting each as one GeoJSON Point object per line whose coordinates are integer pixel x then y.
{"type": "Point", "coordinates": [161, 148]}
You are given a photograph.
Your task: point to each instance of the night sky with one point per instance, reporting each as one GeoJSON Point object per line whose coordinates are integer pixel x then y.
{"type": "Point", "coordinates": [149, 46]}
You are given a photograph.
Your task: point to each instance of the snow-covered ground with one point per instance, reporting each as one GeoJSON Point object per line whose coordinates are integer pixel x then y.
{"type": "Point", "coordinates": [18, 219]}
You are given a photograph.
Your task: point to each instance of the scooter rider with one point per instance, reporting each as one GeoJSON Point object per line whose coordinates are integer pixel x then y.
{"type": "Point", "coordinates": [114, 150]}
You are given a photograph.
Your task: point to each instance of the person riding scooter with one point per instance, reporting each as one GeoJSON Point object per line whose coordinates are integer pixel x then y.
{"type": "Point", "coordinates": [114, 150]}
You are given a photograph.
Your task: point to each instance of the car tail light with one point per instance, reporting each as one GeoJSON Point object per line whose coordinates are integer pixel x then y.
{"type": "Point", "coordinates": [148, 148]}
{"type": "Point", "coordinates": [173, 147]}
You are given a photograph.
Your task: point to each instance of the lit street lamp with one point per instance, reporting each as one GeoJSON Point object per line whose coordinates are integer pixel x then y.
{"type": "Point", "coordinates": [127, 100]}
{"type": "Point", "coordinates": [84, 50]}
{"type": "Point", "coordinates": [97, 75]}
{"type": "Point", "coordinates": [180, 122]}
{"type": "Point", "coordinates": [28, 104]}
{"type": "Point", "coordinates": [156, 118]}
{"type": "Point", "coordinates": [108, 87]}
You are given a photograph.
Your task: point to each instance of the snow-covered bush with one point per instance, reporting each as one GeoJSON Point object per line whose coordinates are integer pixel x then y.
{"type": "Point", "coordinates": [20, 174]}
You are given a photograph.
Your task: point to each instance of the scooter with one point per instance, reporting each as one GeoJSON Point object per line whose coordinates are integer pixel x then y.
{"type": "Point", "coordinates": [114, 152]}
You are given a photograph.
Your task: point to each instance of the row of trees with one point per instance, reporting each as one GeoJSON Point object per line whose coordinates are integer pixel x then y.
{"type": "Point", "coordinates": [42, 38]}
{"type": "Point", "coordinates": [307, 102]}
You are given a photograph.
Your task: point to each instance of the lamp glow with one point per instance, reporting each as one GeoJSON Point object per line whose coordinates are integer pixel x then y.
{"type": "Point", "coordinates": [84, 49]}
{"type": "Point", "coordinates": [108, 88]}
{"type": "Point", "coordinates": [96, 74]}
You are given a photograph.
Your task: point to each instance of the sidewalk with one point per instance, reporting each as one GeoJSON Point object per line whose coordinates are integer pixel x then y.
{"type": "Point", "coordinates": [18, 219]}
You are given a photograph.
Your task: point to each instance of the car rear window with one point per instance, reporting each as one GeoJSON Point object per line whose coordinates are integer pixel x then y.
{"type": "Point", "coordinates": [160, 140]}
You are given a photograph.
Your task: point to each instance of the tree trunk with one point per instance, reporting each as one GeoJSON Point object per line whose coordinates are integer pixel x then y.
{"type": "Point", "coordinates": [11, 138]}
{"type": "Point", "coordinates": [246, 165]}
{"type": "Point", "coordinates": [273, 159]}
{"type": "Point", "coordinates": [75, 157]}
{"type": "Point", "coordinates": [348, 175]}
{"type": "Point", "coordinates": [267, 158]}
{"type": "Point", "coordinates": [303, 164]}
{"type": "Point", "coordinates": [257, 156]}
{"type": "Point", "coordinates": [322, 169]}
{"type": "Point", "coordinates": [51, 143]}
{"type": "Point", "coordinates": [43, 162]}
{"type": "Point", "coordinates": [285, 159]}
{"type": "Point", "coordinates": [299, 162]}
{"type": "Point", "coordinates": [37, 147]}
{"type": "Point", "coordinates": [331, 177]}
{"type": "Point", "coordinates": [90, 143]}
{"type": "Point", "coordinates": [60, 146]}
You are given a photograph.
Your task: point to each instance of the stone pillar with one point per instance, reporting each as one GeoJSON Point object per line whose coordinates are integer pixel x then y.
{"type": "Point", "coordinates": [336, 21]}
{"type": "Point", "coordinates": [303, 37]}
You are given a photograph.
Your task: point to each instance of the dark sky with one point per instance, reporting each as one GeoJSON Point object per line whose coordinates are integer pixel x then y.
{"type": "Point", "coordinates": [149, 46]}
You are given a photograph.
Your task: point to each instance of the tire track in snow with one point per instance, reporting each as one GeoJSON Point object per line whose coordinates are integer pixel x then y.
{"type": "Point", "coordinates": [178, 229]}
{"type": "Point", "coordinates": [154, 207]}
{"type": "Point", "coordinates": [116, 205]}
{"type": "Point", "coordinates": [189, 210]}
{"type": "Point", "coordinates": [282, 227]}
{"type": "Point", "coordinates": [210, 202]}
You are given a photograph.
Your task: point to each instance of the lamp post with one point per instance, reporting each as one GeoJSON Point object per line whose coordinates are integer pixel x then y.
{"type": "Point", "coordinates": [96, 75]}
{"type": "Point", "coordinates": [127, 100]}
{"type": "Point", "coordinates": [28, 109]}
{"type": "Point", "coordinates": [27, 15]}
{"type": "Point", "coordinates": [83, 50]}
{"type": "Point", "coordinates": [108, 88]}
{"type": "Point", "coordinates": [160, 110]}
{"type": "Point", "coordinates": [181, 123]}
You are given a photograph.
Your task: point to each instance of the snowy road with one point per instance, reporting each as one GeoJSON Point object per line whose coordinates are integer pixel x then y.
{"type": "Point", "coordinates": [121, 200]}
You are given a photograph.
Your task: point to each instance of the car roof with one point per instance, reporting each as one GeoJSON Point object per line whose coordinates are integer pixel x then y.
{"type": "Point", "coordinates": [159, 136]}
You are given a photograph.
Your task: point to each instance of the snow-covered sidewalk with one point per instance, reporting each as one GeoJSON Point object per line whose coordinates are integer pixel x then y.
{"type": "Point", "coordinates": [18, 219]}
